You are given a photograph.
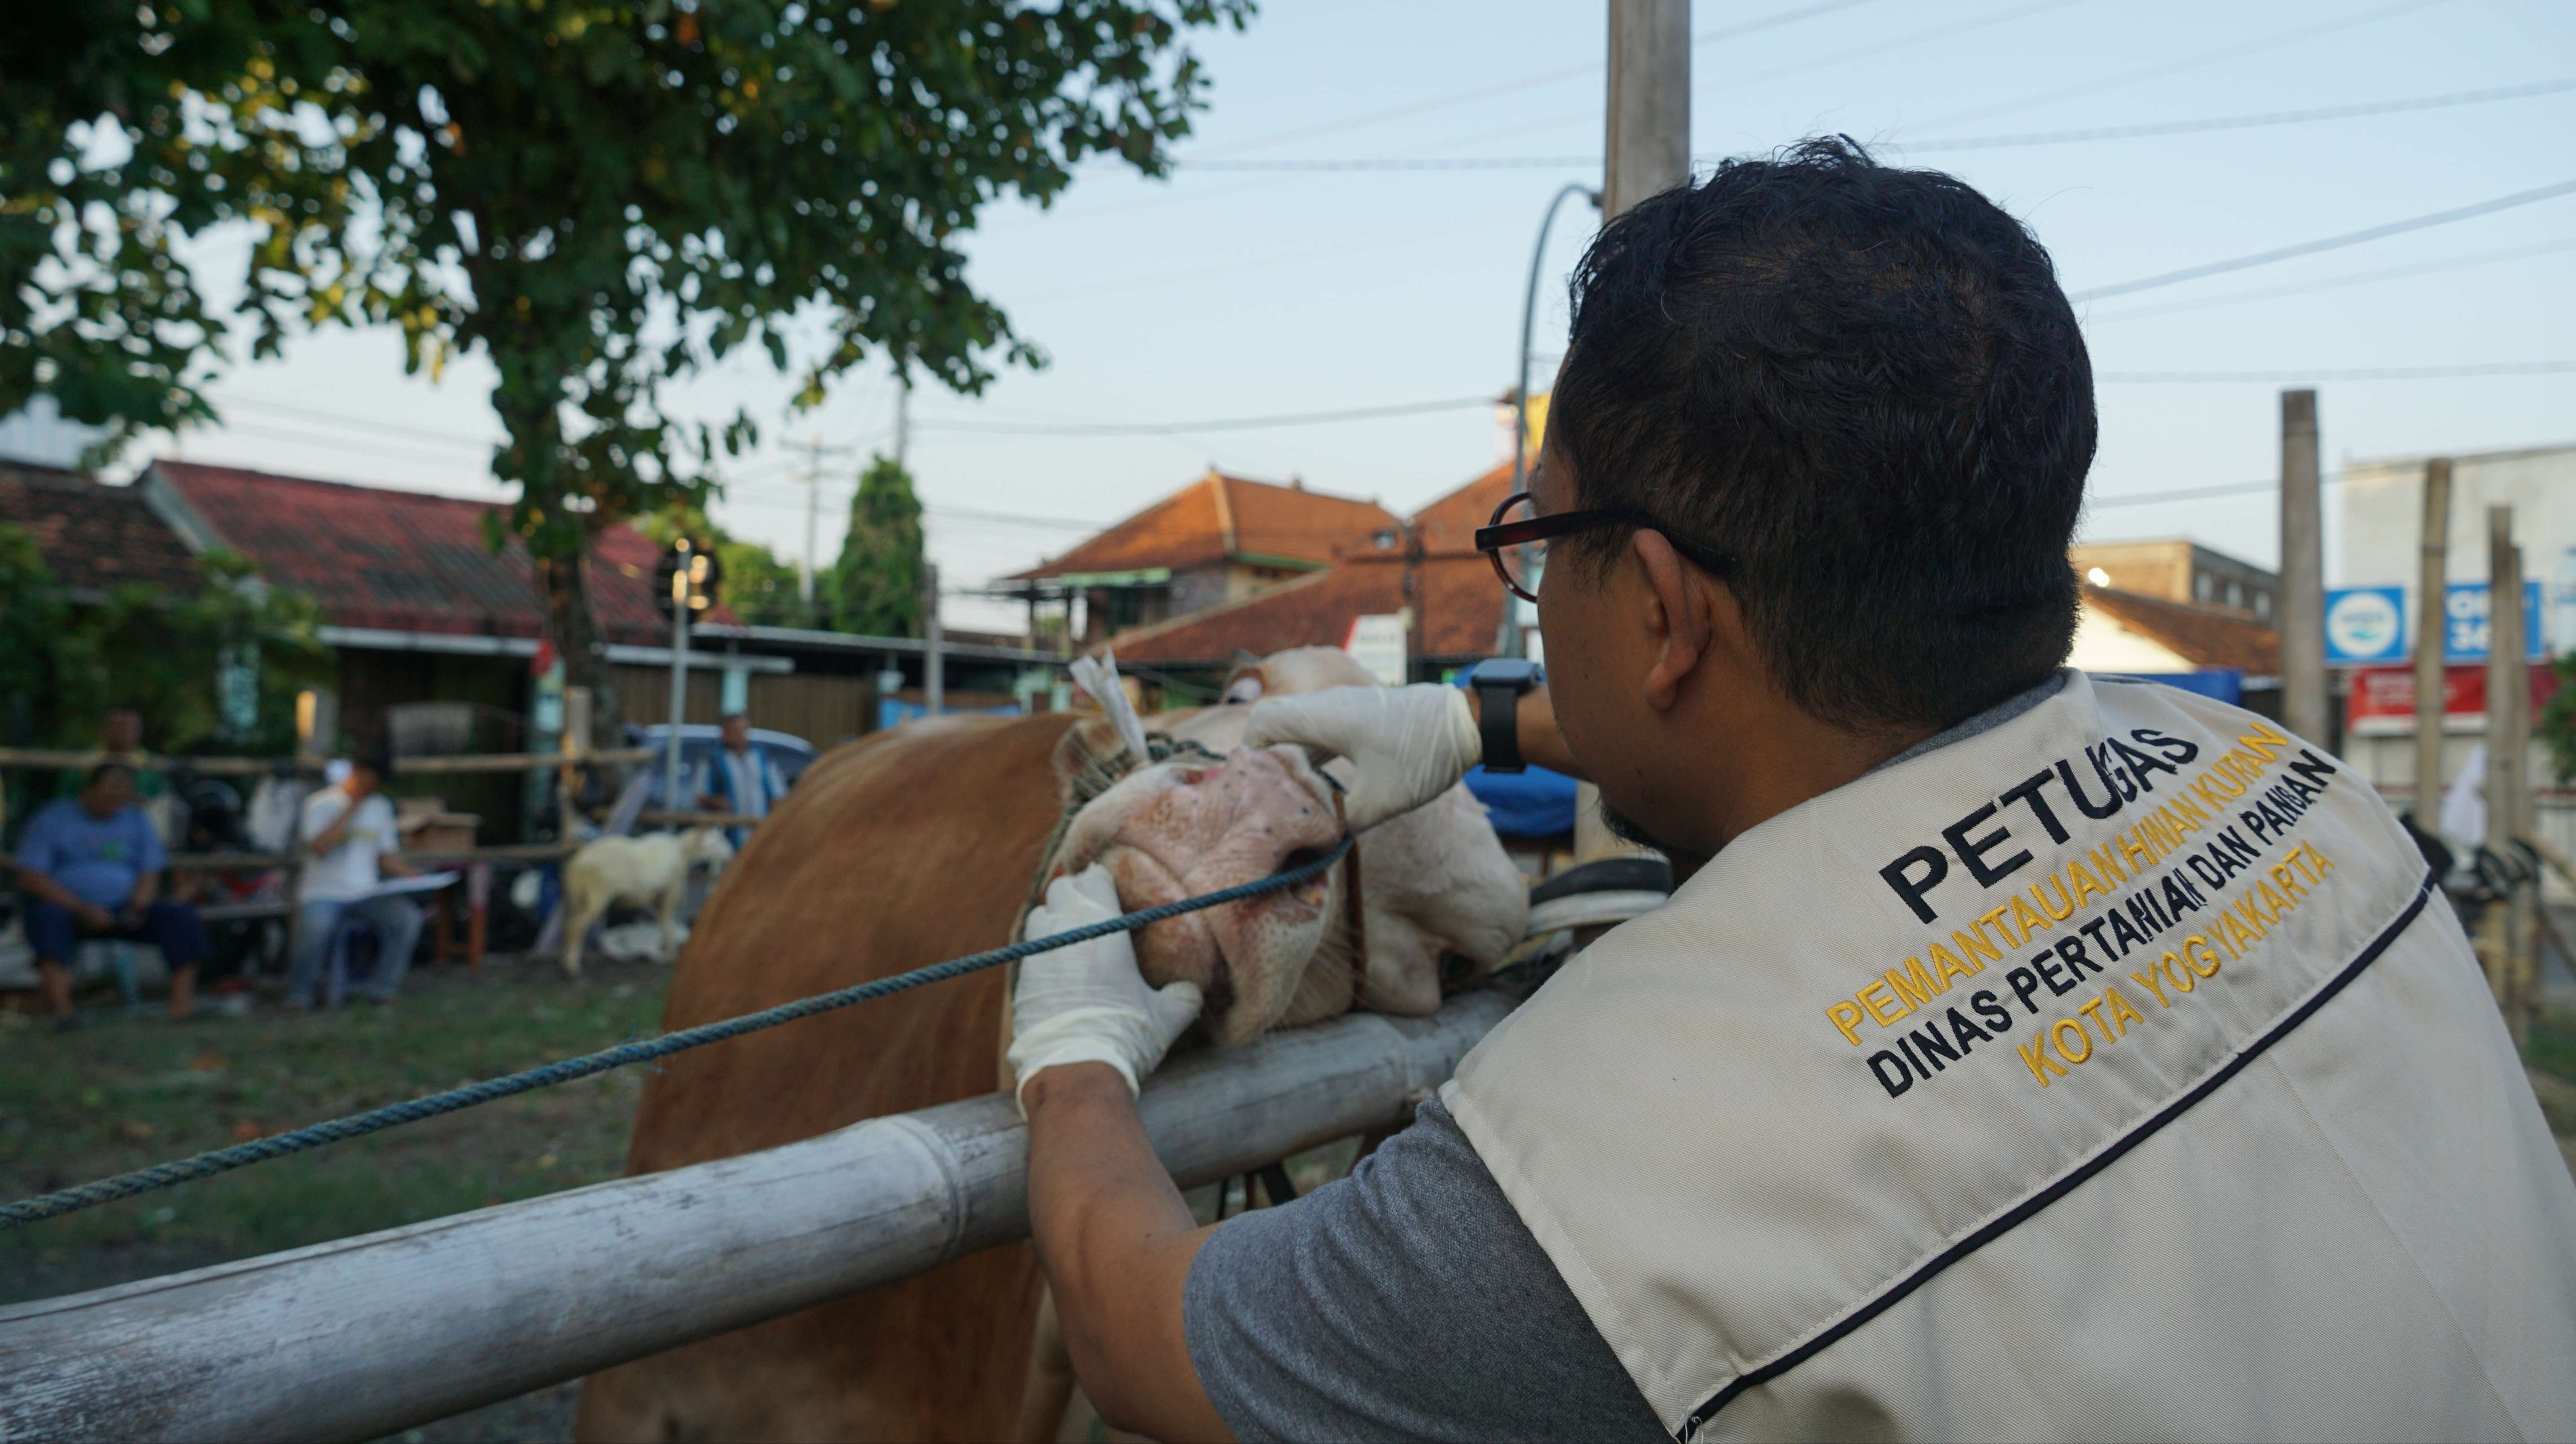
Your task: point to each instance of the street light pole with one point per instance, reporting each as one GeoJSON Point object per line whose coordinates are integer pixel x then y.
{"type": "Point", "coordinates": [680, 584]}
{"type": "Point", "coordinates": [1529, 324]}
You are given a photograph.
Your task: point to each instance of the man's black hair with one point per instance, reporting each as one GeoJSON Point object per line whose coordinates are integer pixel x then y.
{"type": "Point", "coordinates": [1866, 385]}
{"type": "Point", "coordinates": [104, 770]}
{"type": "Point", "coordinates": [376, 761]}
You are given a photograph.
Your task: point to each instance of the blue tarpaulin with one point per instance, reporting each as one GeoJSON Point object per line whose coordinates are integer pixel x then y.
{"type": "Point", "coordinates": [1536, 803]}
{"type": "Point", "coordinates": [2227, 684]}
{"type": "Point", "coordinates": [894, 711]}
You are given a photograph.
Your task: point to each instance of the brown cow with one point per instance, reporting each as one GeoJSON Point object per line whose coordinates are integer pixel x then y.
{"type": "Point", "coordinates": [917, 845]}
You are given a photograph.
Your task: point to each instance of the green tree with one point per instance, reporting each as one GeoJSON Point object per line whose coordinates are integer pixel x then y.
{"type": "Point", "coordinates": [142, 647]}
{"type": "Point", "coordinates": [876, 585]}
{"type": "Point", "coordinates": [598, 196]}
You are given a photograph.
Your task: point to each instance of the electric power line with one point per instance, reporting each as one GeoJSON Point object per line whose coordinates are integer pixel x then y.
{"type": "Point", "coordinates": [1527, 82]}
{"type": "Point", "coordinates": [2344, 373]}
{"type": "Point", "coordinates": [2170, 67]}
{"type": "Point", "coordinates": [2332, 283]}
{"type": "Point", "coordinates": [2246, 122]}
{"type": "Point", "coordinates": [2196, 493]}
{"type": "Point", "coordinates": [1234, 423]}
{"type": "Point", "coordinates": [2329, 243]}
{"type": "Point", "coordinates": [1975, 142]}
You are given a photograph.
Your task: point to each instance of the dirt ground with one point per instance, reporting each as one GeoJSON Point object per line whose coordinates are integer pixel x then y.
{"type": "Point", "coordinates": [127, 1091]}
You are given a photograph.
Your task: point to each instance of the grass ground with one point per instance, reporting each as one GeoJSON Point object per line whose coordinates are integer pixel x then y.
{"type": "Point", "coordinates": [125, 1092]}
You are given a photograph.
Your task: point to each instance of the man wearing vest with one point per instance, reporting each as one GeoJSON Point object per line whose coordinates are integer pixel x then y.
{"type": "Point", "coordinates": [2023, 1054]}
{"type": "Point", "coordinates": [739, 779]}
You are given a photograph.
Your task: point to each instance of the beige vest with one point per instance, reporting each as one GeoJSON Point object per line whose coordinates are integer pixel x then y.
{"type": "Point", "coordinates": [2115, 1073]}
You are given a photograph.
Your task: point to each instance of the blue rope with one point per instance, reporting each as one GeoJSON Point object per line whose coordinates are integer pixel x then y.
{"type": "Point", "coordinates": [204, 1165]}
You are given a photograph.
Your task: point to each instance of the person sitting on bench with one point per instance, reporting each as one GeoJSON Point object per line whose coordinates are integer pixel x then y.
{"type": "Point", "coordinates": [350, 835]}
{"type": "Point", "coordinates": [90, 866]}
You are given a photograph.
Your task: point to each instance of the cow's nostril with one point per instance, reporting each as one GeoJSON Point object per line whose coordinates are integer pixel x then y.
{"type": "Point", "coordinates": [1299, 857]}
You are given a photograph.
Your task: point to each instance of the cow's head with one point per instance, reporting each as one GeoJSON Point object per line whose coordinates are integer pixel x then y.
{"type": "Point", "coordinates": [1180, 828]}
{"type": "Point", "coordinates": [1440, 903]}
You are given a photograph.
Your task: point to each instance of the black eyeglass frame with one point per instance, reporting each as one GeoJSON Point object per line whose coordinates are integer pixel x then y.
{"type": "Point", "coordinates": [1498, 534]}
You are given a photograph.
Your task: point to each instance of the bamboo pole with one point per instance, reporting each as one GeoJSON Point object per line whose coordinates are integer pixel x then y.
{"type": "Point", "coordinates": [262, 766]}
{"type": "Point", "coordinates": [2508, 703]}
{"type": "Point", "coordinates": [2431, 629]}
{"type": "Point", "coordinates": [370, 1335]}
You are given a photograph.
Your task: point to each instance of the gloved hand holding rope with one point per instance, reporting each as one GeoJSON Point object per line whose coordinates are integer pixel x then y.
{"type": "Point", "coordinates": [1087, 1003]}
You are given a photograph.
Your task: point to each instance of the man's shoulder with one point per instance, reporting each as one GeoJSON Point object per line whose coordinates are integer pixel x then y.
{"type": "Point", "coordinates": [52, 815]}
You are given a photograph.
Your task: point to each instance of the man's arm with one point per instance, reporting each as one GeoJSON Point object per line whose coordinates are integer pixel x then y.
{"type": "Point", "coordinates": [1116, 1241]}
{"type": "Point", "coordinates": [40, 885]}
{"type": "Point", "coordinates": [147, 886]}
{"type": "Point", "coordinates": [1541, 744]}
{"type": "Point", "coordinates": [328, 840]}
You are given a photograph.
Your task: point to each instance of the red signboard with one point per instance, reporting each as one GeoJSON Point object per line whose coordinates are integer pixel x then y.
{"type": "Point", "coordinates": [2383, 698]}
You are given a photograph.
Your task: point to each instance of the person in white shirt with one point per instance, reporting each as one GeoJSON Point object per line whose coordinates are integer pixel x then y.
{"type": "Point", "coordinates": [350, 836]}
{"type": "Point", "coordinates": [740, 779]}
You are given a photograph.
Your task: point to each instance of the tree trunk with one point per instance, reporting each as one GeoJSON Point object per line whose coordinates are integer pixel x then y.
{"type": "Point", "coordinates": [563, 585]}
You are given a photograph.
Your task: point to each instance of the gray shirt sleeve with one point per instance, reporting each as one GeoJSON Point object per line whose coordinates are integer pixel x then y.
{"type": "Point", "coordinates": [1407, 1301]}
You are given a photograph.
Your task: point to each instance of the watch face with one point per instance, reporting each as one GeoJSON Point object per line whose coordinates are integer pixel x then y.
{"type": "Point", "coordinates": [1506, 671]}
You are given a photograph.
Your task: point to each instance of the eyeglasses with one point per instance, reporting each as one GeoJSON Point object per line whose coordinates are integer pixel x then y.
{"type": "Point", "coordinates": [1516, 540]}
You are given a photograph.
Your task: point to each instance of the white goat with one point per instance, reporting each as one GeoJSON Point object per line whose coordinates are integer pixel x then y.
{"type": "Point", "coordinates": [648, 871]}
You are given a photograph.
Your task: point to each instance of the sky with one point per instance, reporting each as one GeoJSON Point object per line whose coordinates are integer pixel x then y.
{"type": "Point", "coordinates": [1225, 294]}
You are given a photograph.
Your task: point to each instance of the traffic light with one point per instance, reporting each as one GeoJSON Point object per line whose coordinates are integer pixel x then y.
{"type": "Point", "coordinates": [690, 573]}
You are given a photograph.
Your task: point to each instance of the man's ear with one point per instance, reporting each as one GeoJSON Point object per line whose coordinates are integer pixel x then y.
{"type": "Point", "coordinates": [1678, 617]}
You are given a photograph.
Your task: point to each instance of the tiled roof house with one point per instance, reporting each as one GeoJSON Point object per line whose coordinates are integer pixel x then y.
{"type": "Point", "coordinates": [1455, 599]}
{"type": "Point", "coordinates": [385, 561]}
{"type": "Point", "coordinates": [2119, 631]}
{"type": "Point", "coordinates": [1217, 541]}
{"type": "Point", "coordinates": [95, 537]}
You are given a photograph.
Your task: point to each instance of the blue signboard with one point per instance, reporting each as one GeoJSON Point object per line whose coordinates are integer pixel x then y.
{"type": "Point", "coordinates": [2464, 622]}
{"type": "Point", "coordinates": [2366, 624]}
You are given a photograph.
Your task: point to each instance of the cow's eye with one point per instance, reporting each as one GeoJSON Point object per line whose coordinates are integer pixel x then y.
{"type": "Point", "coordinates": [1457, 970]}
{"type": "Point", "coordinates": [1246, 688]}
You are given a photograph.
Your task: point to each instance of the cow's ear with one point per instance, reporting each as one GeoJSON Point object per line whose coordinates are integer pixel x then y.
{"type": "Point", "coordinates": [1084, 759]}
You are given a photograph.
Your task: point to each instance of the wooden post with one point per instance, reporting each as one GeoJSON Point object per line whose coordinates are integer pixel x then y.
{"type": "Point", "coordinates": [369, 1336]}
{"type": "Point", "coordinates": [2508, 698]}
{"type": "Point", "coordinates": [2431, 629]}
{"type": "Point", "coordinates": [576, 744]}
{"type": "Point", "coordinates": [2303, 586]}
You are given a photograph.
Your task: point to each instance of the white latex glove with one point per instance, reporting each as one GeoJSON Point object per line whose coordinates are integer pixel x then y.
{"type": "Point", "coordinates": [1086, 1003]}
{"type": "Point", "coordinates": [1409, 744]}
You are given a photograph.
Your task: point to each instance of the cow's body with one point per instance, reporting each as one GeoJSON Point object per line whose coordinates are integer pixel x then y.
{"type": "Point", "coordinates": [903, 849]}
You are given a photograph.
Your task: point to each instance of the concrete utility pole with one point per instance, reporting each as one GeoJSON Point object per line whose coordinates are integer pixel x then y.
{"type": "Point", "coordinates": [2431, 629]}
{"type": "Point", "coordinates": [2508, 799]}
{"type": "Point", "coordinates": [2303, 572]}
{"type": "Point", "coordinates": [1649, 135]}
{"type": "Point", "coordinates": [1648, 150]}
{"type": "Point", "coordinates": [934, 663]}
{"type": "Point", "coordinates": [902, 419]}
{"type": "Point", "coordinates": [813, 522]}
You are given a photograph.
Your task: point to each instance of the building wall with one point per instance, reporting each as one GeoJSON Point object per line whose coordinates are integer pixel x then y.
{"type": "Point", "coordinates": [2383, 518]}
{"type": "Point", "coordinates": [2103, 645]}
{"type": "Point", "coordinates": [2148, 568]}
{"type": "Point", "coordinates": [2182, 571]}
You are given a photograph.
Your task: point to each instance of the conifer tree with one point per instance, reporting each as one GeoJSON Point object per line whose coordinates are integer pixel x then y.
{"type": "Point", "coordinates": [876, 585]}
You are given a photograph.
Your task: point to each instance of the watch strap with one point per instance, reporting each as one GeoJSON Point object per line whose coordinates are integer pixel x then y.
{"type": "Point", "coordinates": [1498, 714]}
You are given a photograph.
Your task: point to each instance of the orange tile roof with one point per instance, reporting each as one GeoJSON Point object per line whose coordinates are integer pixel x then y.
{"type": "Point", "coordinates": [1457, 602]}
{"type": "Point", "coordinates": [1219, 516]}
{"type": "Point", "coordinates": [1449, 524]}
{"type": "Point", "coordinates": [2203, 636]}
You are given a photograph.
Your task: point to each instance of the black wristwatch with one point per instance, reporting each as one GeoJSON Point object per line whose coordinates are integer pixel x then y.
{"type": "Point", "coordinates": [1499, 683]}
